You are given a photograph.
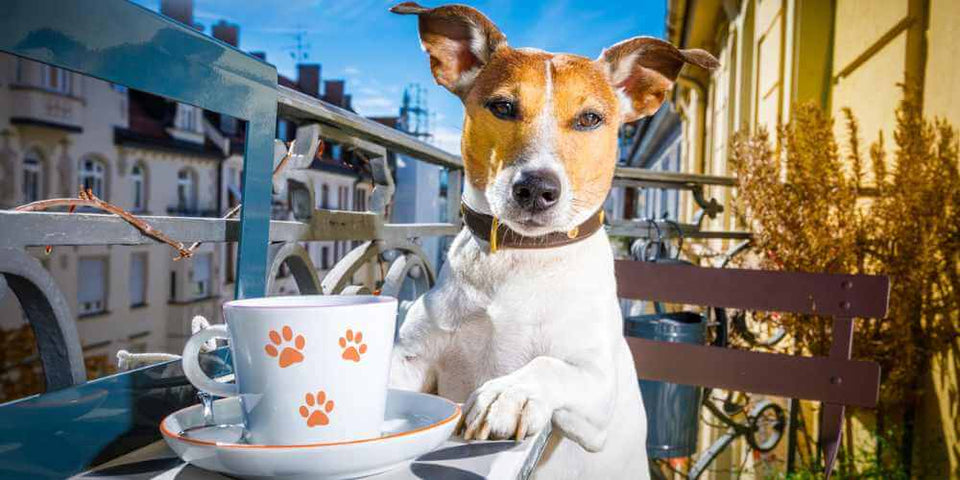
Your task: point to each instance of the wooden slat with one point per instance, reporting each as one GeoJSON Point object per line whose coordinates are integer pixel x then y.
{"type": "Point", "coordinates": [810, 293]}
{"type": "Point", "coordinates": [831, 420]}
{"type": "Point", "coordinates": [848, 382]}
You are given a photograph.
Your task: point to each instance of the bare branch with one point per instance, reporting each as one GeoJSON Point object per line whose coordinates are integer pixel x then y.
{"type": "Point", "coordinates": [276, 171]}
{"type": "Point", "coordinates": [285, 159]}
{"type": "Point", "coordinates": [88, 199]}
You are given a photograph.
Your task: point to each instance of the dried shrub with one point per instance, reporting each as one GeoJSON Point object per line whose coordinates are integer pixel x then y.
{"type": "Point", "coordinates": [21, 374]}
{"type": "Point", "coordinates": [804, 203]}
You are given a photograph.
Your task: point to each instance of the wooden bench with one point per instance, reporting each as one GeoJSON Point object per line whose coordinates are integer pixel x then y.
{"type": "Point", "coordinates": [835, 380]}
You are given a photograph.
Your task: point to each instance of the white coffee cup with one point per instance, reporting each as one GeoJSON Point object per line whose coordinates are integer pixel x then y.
{"type": "Point", "coordinates": [308, 369]}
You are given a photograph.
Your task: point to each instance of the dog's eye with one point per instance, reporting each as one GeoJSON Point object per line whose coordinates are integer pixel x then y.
{"type": "Point", "coordinates": [502, 109]}
{"type": "Point", "coordinates": [588, 121]}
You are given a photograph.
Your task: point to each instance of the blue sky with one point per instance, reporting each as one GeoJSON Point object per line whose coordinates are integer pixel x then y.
{"type": "Point", "coordinates": [378, 52]}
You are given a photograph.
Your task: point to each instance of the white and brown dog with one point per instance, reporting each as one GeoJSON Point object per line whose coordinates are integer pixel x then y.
{"type": "Point", "coordinates": [524, 324]}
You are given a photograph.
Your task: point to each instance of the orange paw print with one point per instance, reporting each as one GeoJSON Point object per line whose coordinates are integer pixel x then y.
{"type": "Point", "coordinates": [290, 354]}
{"type": "Point", "coordinates": [353, 352]}
{"type": "Point", "coordinates": [316, 409]}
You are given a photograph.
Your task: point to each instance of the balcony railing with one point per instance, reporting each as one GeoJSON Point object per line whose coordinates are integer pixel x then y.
{"type": "Point", "coordinates": [183, 211]}
{"type": "Point", "coordinates": [146, 52]}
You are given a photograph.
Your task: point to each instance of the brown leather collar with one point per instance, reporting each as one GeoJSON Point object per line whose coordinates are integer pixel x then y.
{"type": "Point", "coordinates": [484, 226]}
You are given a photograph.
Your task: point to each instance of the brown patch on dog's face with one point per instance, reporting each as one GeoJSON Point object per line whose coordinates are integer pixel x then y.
{"type": "Point", "coordinates": [512, 76]}
{"type": "Point", "coordinates": [551, 95]}
{"type": "Point", "coordinates": [588, 156]}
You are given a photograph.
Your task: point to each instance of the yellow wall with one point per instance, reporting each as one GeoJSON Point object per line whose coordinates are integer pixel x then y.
{"type": "Point", "coordinates": [868, 66]}
{"type": "Point", "coordinates": [836, 53]}
{"type": "Point", "coordinates": [942, 82]}
{"type": "Point", "coordinates": [942, 99]}
{"type": "Point", "coordinates": [769, 40]}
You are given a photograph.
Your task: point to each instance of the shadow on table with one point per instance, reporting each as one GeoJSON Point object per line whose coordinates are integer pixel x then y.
{"type": "Point", "coordinates": [151, 466]}
{"type": "Point", "coordinates": [467, 450]}
{"type": "Point", "coordinates": [441, 472]}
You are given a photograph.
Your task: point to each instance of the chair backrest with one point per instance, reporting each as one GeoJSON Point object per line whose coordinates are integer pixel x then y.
{"type": "Point", "coordinates": [835, 380]}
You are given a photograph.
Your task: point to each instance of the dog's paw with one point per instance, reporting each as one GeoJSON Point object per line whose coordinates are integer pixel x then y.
{"type": "Point", "coordinates": [503, 409]}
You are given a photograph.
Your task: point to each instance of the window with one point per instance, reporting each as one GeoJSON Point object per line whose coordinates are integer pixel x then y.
{"type": "Point", "coordinates": [324, 196]}
{"type": "Point", "coordinates": [283, 130]}
{"type": "Point", "coordinates": [201, 275]}
{"type": "Point", "coordinates": [31, 177]}
{"type": "Point", "coordinates": [186, 117]}
{"type": "Point", "coordinates": [56, 79]}
{"type": "Point", "coordinates": [360, 200]}
{"type": "Point", "coordinates": [230, 262]}
{"type": "Point", "coordinates": [336, 151]}
{"type": "Point", "coordinates": [93, 176]}
{"type": "Point", "coordinates": [92, 285]}
{"type": "Point", "coordinates": [299, 200]}
{"type": "Point", "coordinates": [186, 190]}
{"type": "Point", "coordinates": [228, 125]}
{"type": "Point", "coordinates": [138, 279]}
{"type": "Point", "coordinates": [324, 258]}
{"type": "Point", "coordinates": [137, 180]}
{"type": "Point", "coordinates": [343, 195]}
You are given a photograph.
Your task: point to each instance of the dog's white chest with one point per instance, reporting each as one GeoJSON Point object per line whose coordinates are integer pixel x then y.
{"type": "Point", "coordinates": [503, 313]}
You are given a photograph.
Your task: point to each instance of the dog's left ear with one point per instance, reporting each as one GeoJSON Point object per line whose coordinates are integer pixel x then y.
{"type": "Point", "coordinates": [643, 69]}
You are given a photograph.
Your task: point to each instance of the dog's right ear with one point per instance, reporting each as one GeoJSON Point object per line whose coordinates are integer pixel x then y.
{"type": "Point", "coordinates": [459, 40]}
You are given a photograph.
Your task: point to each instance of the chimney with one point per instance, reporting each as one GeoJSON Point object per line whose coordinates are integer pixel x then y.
{"type": "Point", "coordinates": [179, 10]}
{"type": "Point", "coordinates": [228, 33]}
{"type": "Point", "coordinates": [308, 78]}
{"type": "Point", "coordinates": [260, 55]}
{"type": "Point", "coordinates": [333, 92]}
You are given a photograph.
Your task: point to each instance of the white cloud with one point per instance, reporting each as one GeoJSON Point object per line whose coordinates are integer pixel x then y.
{"type": "Point", "coordinates": [447, 138]}
{"type": "Point", "coordinates": [351, 70]}
{"type": "Point", "coordinates": [212, 17]}
{"type": "Point", "coordinates": [375, 105]}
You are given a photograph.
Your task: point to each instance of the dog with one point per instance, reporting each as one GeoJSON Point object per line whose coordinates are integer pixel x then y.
{"type": "Point", "coordinates": [523, 324]}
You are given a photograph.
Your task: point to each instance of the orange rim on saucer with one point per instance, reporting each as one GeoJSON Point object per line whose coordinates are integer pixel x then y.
{"type": "Point", "coordinates": [168, 433]}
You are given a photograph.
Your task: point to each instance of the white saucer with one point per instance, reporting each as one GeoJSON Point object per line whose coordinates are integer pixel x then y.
{"type": "Point", "coordinates": [415, 423]}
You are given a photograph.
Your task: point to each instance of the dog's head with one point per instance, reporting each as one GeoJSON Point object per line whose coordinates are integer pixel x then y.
{"type": "Point", "coordinates": [540, 135]}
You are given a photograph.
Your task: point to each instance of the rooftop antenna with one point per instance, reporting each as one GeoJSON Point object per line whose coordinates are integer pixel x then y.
{"type": "Point", "coordinates": [300, 52]}
{"type": "Point", "coordinates": [414, 115]}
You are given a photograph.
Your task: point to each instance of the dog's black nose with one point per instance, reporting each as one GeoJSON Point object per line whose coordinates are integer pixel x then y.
{"type": "Point", "coordinates": [537, 190]}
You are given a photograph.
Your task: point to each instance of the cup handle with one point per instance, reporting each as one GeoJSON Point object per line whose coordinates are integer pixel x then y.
{"type": "Point", "coordinates": [191, 363]}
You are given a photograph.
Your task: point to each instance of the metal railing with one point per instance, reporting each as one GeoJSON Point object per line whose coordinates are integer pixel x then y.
{"type": "Point", "coordinates": [32, 229]}
{"type": "Point", "coordinates": [135, 49]}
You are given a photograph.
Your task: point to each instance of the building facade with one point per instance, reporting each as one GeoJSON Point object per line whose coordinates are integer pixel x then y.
{"type": "Point", "coordinates": [836, 54]}
{"type": "Point", "coordinates": [62, 131]}
{"type": "Point", "coordinates": [150, 156]}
